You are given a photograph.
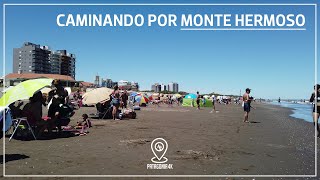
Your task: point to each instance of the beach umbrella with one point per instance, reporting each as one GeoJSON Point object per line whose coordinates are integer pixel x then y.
{"type": "Point", "coordinates": [133, 93]}
{"type": "Point", "coordinates": [141, 99]}
{"type": "Point", "coordinates": [24, 90]}
{"type": "Point", "coordinates": [191, 96]}
{"type": "Point", "coordinates": [96, 95]}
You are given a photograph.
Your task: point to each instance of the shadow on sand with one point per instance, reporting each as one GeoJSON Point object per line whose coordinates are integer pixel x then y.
{"type": "Point", "coordinates": [254, 122]}
{"type": "Point", "coordinates": [45, 136]}
{"type": "Point", "coordinates": [13, 157]}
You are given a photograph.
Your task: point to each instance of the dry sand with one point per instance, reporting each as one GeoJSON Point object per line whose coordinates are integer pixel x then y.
{"type": "Point", "coordinates": [200, 143]}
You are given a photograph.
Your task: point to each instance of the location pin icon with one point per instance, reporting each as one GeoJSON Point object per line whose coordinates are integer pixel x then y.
{"type": "Point", "coordinates": [159, 147]}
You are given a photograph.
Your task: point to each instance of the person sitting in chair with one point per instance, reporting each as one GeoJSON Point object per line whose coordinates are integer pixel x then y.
{"type": "Point", "coordinates": [33, 111]}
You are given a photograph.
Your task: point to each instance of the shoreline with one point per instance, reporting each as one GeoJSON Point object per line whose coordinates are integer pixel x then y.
{"type": "Point", "coordinates": [292, 112]}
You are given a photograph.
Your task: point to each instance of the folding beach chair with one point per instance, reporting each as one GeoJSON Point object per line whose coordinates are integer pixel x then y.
{"type": "Point", "coordinates": [107, 111]}
{"type": "Point", "coordinates": [18, 121]}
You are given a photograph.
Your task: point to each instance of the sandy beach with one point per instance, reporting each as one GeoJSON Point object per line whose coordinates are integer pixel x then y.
{"type": "Point", "coordinates": [200, 143]}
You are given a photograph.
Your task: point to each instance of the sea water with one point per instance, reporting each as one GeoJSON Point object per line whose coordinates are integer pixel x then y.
{"type": "Point", "coordinates": [300, 110]}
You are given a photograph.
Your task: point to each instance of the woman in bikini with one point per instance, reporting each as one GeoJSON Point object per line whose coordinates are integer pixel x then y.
{"type": "Point", "coordinates": [115, 96]}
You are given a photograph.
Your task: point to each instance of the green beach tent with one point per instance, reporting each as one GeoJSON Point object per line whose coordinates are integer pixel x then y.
{"type": "Point", "coordinates": [190, 101]}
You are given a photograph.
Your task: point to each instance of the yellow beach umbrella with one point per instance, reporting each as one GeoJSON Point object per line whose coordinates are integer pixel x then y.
{"type": "Point", "coordinates": [24, 90]}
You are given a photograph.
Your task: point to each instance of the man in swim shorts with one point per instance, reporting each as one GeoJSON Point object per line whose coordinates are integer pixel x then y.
{"type": "Point", "coordinates": [246, 106]}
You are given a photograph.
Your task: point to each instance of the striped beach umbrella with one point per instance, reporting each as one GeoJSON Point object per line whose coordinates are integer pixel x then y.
{"type": "Point", "coordinates": [141, 99]}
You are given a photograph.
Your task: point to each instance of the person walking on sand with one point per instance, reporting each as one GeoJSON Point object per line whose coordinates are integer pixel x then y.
{"type": "Point", "coordinates": [115, 101]}
{"type": "Point", "coordinates": [246, 104]}
{"type": "Point", "coordinates": [213, 99]}
{"type": "Point", "coordinates": [315, 98]}
{"type": "Point", "coordinates": [198, 100]}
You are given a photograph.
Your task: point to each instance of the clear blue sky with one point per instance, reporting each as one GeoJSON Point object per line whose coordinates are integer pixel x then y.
{"type": "Point", "coordinates": [272, 63]}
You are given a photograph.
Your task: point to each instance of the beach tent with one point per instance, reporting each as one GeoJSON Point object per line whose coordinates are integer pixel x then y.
{"type": "Point", "coordinates": [193, 103]}
{"type": "Point", "coordinates": [190, 101]}
{"type": "Point", "coordinates": [191, 96]}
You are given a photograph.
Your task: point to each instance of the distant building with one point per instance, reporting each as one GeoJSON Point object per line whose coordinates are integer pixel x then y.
{"type": "Point", "coordinates": [109, 83]}
{"type": "Point", "coordinates": [97, 81]}
{"type": "Point", "coordinates": [134, 86]}
{"type": "Point", "coordinates": [15, 78]}
{"type": "Point", "coordinates": [153, 88]}
{"type": "Point", "coordinates": [126, 85]}
{"type": "Point", "coordinates": [33, 58]}
{"type": "Point", "coordinates": [173, 87]}
{"type": "Point", "coordinates": [68, 66]}
{"type": "Point", "coordinates": [163, 87]}
{"type": "Point", "coordinates": [156, 87]}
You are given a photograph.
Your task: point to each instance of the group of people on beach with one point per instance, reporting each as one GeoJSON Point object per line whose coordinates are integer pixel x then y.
{"type": "Point", "coordinates": [59, 109]}
{"type": "Point", "coordinates": [118, 100]}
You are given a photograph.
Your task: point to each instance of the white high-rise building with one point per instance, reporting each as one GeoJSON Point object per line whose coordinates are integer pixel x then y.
{"type": "Point", "coordinates": [163, 87]}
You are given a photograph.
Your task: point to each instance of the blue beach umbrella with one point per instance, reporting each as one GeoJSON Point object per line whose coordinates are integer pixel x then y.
{"type": "Point", "coordinates": [133, 94]}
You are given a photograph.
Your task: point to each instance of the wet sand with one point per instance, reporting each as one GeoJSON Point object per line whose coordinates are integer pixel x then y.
{"type": "Point", "coordinates": [200, 143]}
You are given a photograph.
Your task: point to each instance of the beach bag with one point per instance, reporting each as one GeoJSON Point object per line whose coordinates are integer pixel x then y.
{"type": "Point", "coordinates": [242, 105]}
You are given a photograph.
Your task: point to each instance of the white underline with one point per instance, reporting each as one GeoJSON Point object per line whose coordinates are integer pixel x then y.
{"type": "Point", "coordinates": [157, 4]}
{"type": "Point", "coordinates": [243, 29]}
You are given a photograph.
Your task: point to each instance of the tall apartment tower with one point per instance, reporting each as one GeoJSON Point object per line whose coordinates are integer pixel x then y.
{"type": "Point", "coordinates": [173, 87]}
{"type": "Point", "coordinates": [68, 63]}
{"type": "Point", "coordinates": [33, 58]}
{"type": "Point", "coordinates": [55, 61]}
{"type": "Point", "coordinates": [97, 80]}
